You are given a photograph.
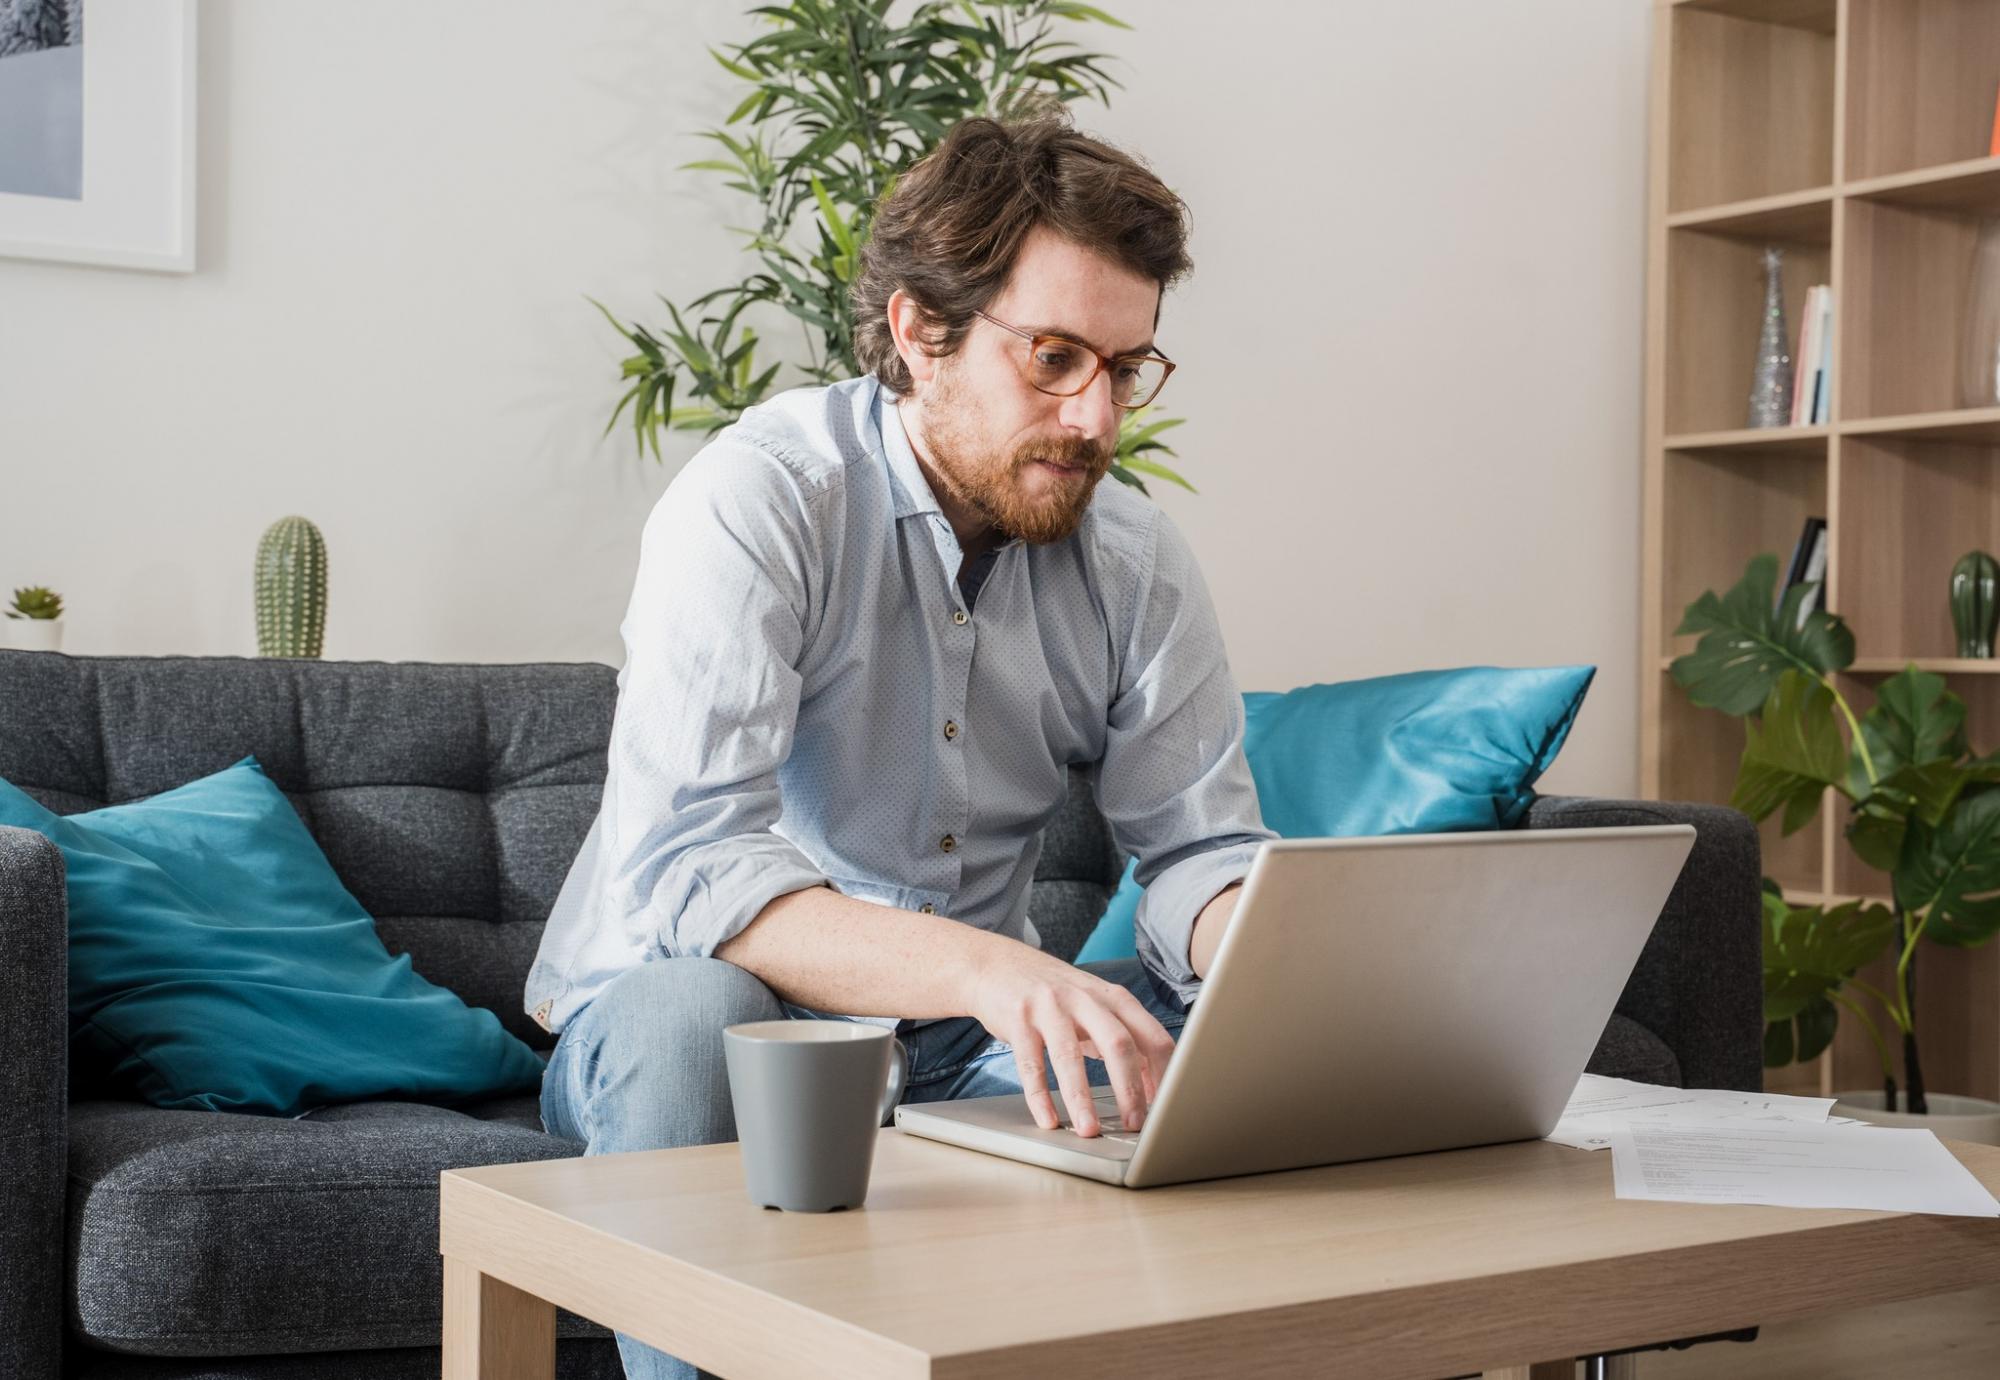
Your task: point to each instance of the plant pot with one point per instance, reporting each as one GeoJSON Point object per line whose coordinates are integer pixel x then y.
{"type": "Point", "coordinates": [1951, 1116]}
{"type": "Point", "coordinates": [31, 634]}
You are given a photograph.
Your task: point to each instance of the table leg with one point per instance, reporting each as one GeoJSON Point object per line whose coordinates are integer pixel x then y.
{"type": "Point", "coordinates": [493, 1331]}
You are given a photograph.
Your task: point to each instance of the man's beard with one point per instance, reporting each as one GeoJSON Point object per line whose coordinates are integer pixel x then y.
{"type": "Point", "coordinates": [992, 485]}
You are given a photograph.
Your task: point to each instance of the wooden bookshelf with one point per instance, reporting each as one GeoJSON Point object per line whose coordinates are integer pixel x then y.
{"type": "Point", "coordinates": [1852, 134]}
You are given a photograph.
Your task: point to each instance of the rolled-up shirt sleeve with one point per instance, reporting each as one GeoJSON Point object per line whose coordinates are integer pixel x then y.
{"type": "Point", "coordinates": [1174, 783]}
{"type": "Point", "coordinates": [708, 702]}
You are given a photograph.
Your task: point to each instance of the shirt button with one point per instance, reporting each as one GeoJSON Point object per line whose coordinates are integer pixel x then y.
{"type": "Point", "coordinates": [947, 843]}
{"type": "Point", "coordinates": [958, 617]}
{"type": "Point", "coordinates": [950, 729]}
{"type": "Point", "coordinates": [927, 909]}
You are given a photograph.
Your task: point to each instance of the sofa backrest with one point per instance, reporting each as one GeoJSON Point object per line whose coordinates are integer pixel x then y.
{"type": "Point", "coordinates": [450, 798]}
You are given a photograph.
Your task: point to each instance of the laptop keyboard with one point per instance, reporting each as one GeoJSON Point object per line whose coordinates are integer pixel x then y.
{"type": "Point", "coordinates": [1109, 1124]}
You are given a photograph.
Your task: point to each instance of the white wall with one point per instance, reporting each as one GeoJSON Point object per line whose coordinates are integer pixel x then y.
{"type": "Point", "coordinates": [1410, 350]}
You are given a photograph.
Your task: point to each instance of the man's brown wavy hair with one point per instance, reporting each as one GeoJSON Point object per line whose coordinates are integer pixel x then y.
{"type": "Point", "coordinates": [951, 228]}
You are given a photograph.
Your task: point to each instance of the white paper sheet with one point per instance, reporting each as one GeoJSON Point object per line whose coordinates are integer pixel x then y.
{"type": "Point", "coordinates": [1794, 1164]}
{"type": "Point", "coordinates": [1601, 1105]}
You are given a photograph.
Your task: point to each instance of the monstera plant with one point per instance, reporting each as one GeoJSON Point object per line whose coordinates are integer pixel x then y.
{"type": "Point", "coordinates": [838, 101]}
{"type": "Point", "coordinates": [1920, 807]}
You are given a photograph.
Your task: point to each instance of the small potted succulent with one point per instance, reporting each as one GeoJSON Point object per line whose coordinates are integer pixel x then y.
{"type": "Point", "coordinates": [34, 621]}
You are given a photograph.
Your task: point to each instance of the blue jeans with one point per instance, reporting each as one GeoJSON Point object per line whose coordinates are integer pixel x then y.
{"type": "Point", "coordinates": [640, 1068]}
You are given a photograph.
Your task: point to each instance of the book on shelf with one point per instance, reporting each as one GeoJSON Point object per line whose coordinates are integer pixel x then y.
{"type": "Point", "coordinates": [1812, 362]}
{"type": "Point", "coordinates": [1808, 564]}
{"type": "Point", "coordinates": [1823, 395]}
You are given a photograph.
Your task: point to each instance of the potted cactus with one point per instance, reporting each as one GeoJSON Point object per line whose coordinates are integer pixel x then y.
{"type": "Point", "coordinates": [291, 589]}
{"type": "Point", "coordinates": [34, 621]}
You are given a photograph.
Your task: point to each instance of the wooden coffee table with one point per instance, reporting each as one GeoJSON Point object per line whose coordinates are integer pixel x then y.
{"type": "Point", "coordinates": [965, 1265]}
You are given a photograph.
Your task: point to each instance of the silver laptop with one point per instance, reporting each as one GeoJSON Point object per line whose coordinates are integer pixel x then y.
{"type": "Point", "coordinates": [1374, 997]}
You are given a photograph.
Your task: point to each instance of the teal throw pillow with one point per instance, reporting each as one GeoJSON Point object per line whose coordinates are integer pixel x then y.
{"type": "Point", "coordinates": [1425, 752]}
{"type": "Point", "coordinates": [216, 961]}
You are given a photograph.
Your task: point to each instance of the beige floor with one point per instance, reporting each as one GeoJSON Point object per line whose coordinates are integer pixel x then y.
{"type": "Point", "coordinates": [1947, 1337]}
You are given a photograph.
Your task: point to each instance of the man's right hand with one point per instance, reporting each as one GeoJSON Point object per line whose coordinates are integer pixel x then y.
{"type": "Point", "coordinates": [1057, 1015]}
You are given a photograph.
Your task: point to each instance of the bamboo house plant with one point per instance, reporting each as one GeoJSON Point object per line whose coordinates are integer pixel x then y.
{"type": "Point", "coordinates": [1920, 806]}
{"type": "Point", "coordinates": [838, 101]}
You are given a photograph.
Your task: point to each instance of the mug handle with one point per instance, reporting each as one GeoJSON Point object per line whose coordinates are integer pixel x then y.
{"type": "Point", "coordinates": [899, 1071]}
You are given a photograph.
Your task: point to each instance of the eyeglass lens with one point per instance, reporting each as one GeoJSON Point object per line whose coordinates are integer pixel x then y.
{"type": "Point", "coordinates": [1062, 369]}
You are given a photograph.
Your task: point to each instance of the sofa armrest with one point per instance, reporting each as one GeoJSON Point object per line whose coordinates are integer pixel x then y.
{"type": "Point", "coordinates": [1699, 983]}
{"type": "Point", "coordinates": [34, 1100]}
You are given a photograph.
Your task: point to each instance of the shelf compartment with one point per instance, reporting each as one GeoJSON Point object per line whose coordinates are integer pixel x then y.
{"type": "Point", "coordinates": [1815, 15]}
{"type": "Point", "coordinates": [1821, 898]}
{"type": "Point", "coordinates": [1972, 186]}
{"type": "Point", "coordinates": [1805, 217]}
{"type": "Point", "coordinates": [1941, 665]}
{"type": "Point", "coordinates": [1699, 753]}
{"type": "Point", "coordinates": [1920, 83]}
{"type": "Point", "coordinates": [1801, 442]}
{"type": "Point", "coordinates": [1972, 425]}
{"type": "Point", "coordinates": [1909, 279]}
{"type": "Point", "coordinates": [1720, 511]}
{"type": "Point", "coordinates": [1715, 314]}
{"type": "Point", "coordinates": [1751, 103]}
{"type": "Point", "coordinates": [1909, 508]}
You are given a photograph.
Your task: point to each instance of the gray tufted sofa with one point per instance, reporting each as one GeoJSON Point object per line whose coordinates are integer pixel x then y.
{"type": "Point", "coordinates": [139, 1241]}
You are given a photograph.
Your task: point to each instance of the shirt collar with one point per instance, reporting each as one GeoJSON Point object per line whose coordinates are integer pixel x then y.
{"type": "Point", "coordinates": [913, 492]}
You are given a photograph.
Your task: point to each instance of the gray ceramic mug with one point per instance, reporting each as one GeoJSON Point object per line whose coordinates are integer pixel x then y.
{"type": "Point", "coordinates": [809, 1097]}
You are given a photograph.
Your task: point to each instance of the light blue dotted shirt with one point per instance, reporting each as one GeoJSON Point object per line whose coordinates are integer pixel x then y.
{"type": "Point", "coordinates": [808, 698]}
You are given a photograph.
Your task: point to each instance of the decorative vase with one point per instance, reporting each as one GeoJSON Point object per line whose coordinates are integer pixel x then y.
{"type": "Point", "coordinates": [1979, 352]}
{"type": "Point", "coordinates": [1950, 1116]}
{"type": "Point", "coordinates": [1771, 386]}
{"type": "Point", "coordinates": [31, 634]}
{"type": "Point", "coordinates": [291, 589]}
{"type": "Point", "coordinates": [1975, 602]}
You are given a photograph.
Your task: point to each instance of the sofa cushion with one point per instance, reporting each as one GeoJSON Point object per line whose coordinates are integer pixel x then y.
{"type": "Point", "coordinates": [1075, 871]}
{"type": "Point", "coordinates": [1629, 1050]}
{"type": "Point", "coordinates": [195, 1233]}
{"type": "Point", "coordinates": [1424, 752]}
{"type": "Point", "coordinates": [449, 798]}
{"type": "Point", "coordinates": [216, 961]}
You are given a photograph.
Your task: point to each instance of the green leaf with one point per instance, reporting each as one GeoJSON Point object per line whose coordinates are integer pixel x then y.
{"type": "Point", "coordinates": [831, 215]}
{"type": "Point", "coordinates": [734, 68]}
{"type": "Point", "coordinates": [1813, 949]}
{"type": "Point", "coordinates": [630, 394]}
{"type": "Point", "coordinates": [1147, 433]}
{"type": "Point", "coordinates": [1953, 872]}
{"type": "Point", "coordinates": [1915, 720]}
{"type": "Point", "coordinates": [1809, 953]}
{"type": "Point", "coordinates": [1880, 823]}
{"type": "Point", "coordinates": [1791, 753]}
{"type": "Point", "coordinates": [1745, 646]}
{"type": "Point", "coordinates": [1133, 462]}
{"type": "Point", "coordinates": [1801, 1038]}
{"type": "Point", "coordinates": [1067, 10]}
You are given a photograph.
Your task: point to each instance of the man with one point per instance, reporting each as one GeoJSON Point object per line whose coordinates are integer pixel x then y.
{"type": "Point", "coordinates": [874, 625]}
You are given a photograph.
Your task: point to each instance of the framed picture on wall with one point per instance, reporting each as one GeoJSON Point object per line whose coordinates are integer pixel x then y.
{"type": "Point", "coordinates": [97, 132]}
